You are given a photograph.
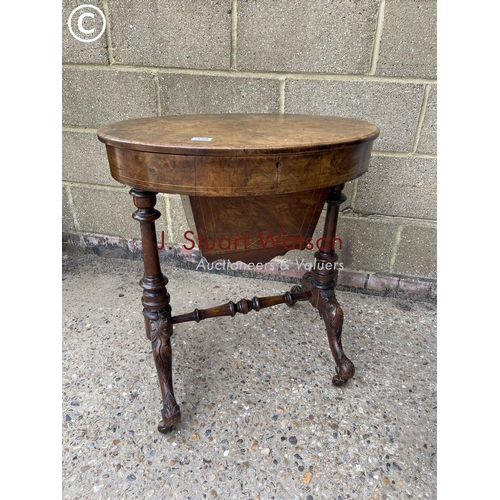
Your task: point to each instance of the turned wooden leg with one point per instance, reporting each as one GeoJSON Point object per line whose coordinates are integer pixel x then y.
{"type": "Point", "coordinates": [156, 302]}
{"type": "Point", "coordinates": [332, 314]}
{"type": "Point", "coordinates": [322, 281]}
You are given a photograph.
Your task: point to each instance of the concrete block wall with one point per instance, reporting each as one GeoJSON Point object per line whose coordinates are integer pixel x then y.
{"type": "Point", "coordinates": [367, 59]}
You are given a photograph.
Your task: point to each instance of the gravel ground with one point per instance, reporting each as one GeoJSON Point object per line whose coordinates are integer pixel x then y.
{"type": "Point", "coordinates": [260, 417]}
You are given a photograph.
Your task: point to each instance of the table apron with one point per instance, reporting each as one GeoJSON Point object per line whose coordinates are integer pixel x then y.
{"type": "Point", "coordinates": [238, 175]}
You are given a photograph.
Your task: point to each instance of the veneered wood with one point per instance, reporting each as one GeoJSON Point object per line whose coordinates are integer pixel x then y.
{"type": "Point", "coordinates": [156, 302]}
{"type": "Point", "coordinates": [237, 176]}
{"type": "Point", "coordinates": [243, 306]}
{"type": "Point", "coordinates": [268, 173]}
{"type": "Point", "coordinates": [323, 279]}
{"type": "Point", "coordinates": [281, 153]}
{"type": "Point", "coordinates": [237, 134]}
{"type": "Point", "coordinates": [254, 228]}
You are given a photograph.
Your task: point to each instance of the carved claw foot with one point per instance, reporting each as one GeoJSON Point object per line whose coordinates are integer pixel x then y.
{"type": "Point", "coordinates": [171, 415]}
{"type": "Point", "coordinates": [333, 316]}
{"type": "Point", "coordinates": [160, 328]}
{"type": "Point", "coordinates": [345, 372]}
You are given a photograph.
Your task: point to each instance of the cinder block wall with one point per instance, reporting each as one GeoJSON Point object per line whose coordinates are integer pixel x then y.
{"type": "Point", "coordinates": [367, 59]}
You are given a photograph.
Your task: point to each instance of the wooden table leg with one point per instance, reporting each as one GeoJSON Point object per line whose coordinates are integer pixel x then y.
{"type": "Point", "coordinates": [321, 282]}
{"type": "Point", "coordinates": [157, 310]}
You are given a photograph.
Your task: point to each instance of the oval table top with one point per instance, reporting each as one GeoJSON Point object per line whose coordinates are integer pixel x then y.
{"type": "Point", "coordinates": [237, 154]}
{"type": "Point", "coordinates": [237, 134]}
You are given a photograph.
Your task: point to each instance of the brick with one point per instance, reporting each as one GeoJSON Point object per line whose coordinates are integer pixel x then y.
{"type": "Point", "coordinates": [107, 212]}
{"type": "Point", "coordinates": [75, 51]}
{"type": "Point", "coordinates": [414, 287]}
{"type": "Point", "coordinates": [93, 97]}
{"type": "Point", "coordinates": [111, 246]}
{"type": "Point", "coordinates": [382, 283]}
{"type": "Point", "coordinates": [177, 33]}
{"type": "Point", "coordinates": [290, 269]}
{"type": "Point", "coordinates": [393, 107]}
{"type": "Point", "coordinates": [416, 254]}
{"type": "Point", "coordinates": [192, 256]}
{"type": "Point", "coordinates": [352, 279]}
{"type": "Point", "coordinates": [405, 187]}
{"type": "Point", "coordinates": [367, 243]}
{"type": "Point", "coordinates": [84, 159]}
{"type": "Point", "coordinates": [428, 134]}
{"type": "Point", "coordinates": [408, 46]}
{"type": "Point", "coordinates": [194, 94]}
{"type": "Point", "coordinates": [314, 36]}
{"type": "Point", "coordinates": [67, 218]}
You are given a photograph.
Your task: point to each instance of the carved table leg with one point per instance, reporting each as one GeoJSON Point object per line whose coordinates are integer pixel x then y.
{"type": "Point", "coordinates": [157, 310]}
{"type": "Point", "coordinates": [322, 281]}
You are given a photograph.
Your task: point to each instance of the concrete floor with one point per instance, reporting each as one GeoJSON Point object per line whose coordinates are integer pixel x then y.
{"type": "Point", "coordinates": [260, 418]}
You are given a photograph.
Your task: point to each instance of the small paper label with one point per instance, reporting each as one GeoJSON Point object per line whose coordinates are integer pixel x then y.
{"type": "Point", "coordinates": [201, 139]}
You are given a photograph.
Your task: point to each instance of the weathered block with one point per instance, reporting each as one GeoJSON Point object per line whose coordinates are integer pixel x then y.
{"type": "Point", "coordinates": [367, 243]}
{"type": "Point", "coordinates": [352, 279]}
{"type": "Point", "coordinates": [177, 33]}
{"type": "Point", "coordinates": [178, 220]}
{"type": "Point", "coordinates": [67, 218]}
{"type": "Point", "coordinates": [428, 134]}
{"type": "Point", "coordinates": [93, 97]}
{"type": "Point", "coordinates": [84, 159]}
{"type": "Point", "coordinates": [408, 46]}
{"type": "Point", "coordinates": [416, 254]}
{"type": "Point", "coordinates": [76, 51]}
{"type": "Point", "coordinates": [187, 94]}
{"type": "Point", "coordinates": [415, 288]}
{"type": "Point", "coordinates": [106, 212]}
{"type": "Point", "coordinates": [393, 107]}
{"type": "Point", "coordinates": [382, 283]}
{"type": "Point", "coordinates": [314, 36]}
{"type": "Point", "coordinates": [405, 187]}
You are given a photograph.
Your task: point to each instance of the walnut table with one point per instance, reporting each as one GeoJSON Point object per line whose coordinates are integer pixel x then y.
{"type": "Point", "coordinates": [243, 177]}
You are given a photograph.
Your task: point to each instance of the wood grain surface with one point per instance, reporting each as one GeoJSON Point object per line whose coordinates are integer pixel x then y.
{"type": "Point", "coordinates": [248, 155]}
{"type": "Point", "coordinates": [255, 186]}
{"type": "Point", "coordinates": [236, 134]}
